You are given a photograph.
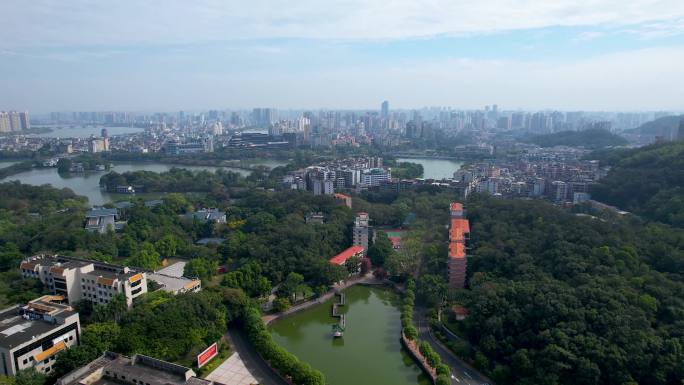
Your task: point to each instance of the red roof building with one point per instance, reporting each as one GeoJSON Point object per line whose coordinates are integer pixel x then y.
{"type": "Point", "coordinates": [458, 234]}
{"type": "Point", "coordinates": [341, 258]}
{"type": "Point", "coordinates": [344, 198]}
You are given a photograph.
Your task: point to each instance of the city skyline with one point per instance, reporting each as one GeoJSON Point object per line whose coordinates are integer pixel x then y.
{"type": "Point", "coordinates": [169, 56]}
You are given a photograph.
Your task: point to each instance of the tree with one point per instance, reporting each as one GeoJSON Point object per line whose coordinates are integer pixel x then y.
{"type": "Point", "coordinates": [201, 268]}
{"type": "Point", "coordinates": [289, 287]}
{"type": "Point", "coordinates": [63, 165]}
{"type": "Point", "coordinates": [166, 246]}
{"type": "Point", "coordinates": [352, 265]}
{"type": "Point", "coordinates": [381, 249]}
{"type": "Point", "coordinates": [147, 257]}
{"type": "Point", "coordinates": [411, 332]}
{"type": "Point", "coordinates": [432, 289]}
{"type": "Point", "coordinates": [30, 377]}
{"type": "Point", "coordinates": [365, 266]}
{"type": "Point", "coordinates": [101, 336]}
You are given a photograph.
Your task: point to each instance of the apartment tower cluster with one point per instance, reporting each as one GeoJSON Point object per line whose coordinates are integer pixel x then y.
{"type": "Point", "coordinates": [459, 232]}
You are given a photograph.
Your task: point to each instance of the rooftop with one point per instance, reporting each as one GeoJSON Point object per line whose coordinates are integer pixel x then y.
{"type": "Point", "coordinates": [342, 257]}
{"type": "Point", "coordinates": [112, 368]}
{"type": "Point", "coordinates": [171, 283]}
{"type": "Point", "coordinates": [96, 212]}
{"type": "Point", "coordinates": [19, 324]}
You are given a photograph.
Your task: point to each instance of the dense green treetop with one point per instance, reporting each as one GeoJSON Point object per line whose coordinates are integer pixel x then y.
{"type": "Point", "coordinates": [591, 138]}
{"type": "Point", "coordinates": [648, 181]}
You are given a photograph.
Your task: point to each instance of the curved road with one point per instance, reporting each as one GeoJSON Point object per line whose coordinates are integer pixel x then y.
{"type": "Point", "coordinates": [254, 363]}
{"type": "Point", "coordinates": [461, 373]}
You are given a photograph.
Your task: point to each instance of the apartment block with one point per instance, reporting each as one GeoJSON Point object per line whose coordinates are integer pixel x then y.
{"type": "Point", "coordinates": [32, 335]}
{"type": "Point", "coordinates": [78, 279]}
{"type": "Point", "coordinates": [360, 232]}
{"type": "Point", "coordinates": [459, 232]}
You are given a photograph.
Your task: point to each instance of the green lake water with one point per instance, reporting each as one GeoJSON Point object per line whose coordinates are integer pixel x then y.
{"type": "Point", "coordinates": [370, 351]}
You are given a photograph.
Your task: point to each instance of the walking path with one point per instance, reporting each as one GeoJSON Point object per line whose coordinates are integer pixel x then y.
{"type": "Point", "coordinates": [232, 371]}
{"type": "Point", "coordinates": [252, 361]}
{"type": "Point", "coordinates": [461, 372]}
{"type": "Point", "coordinates": [368, 279]}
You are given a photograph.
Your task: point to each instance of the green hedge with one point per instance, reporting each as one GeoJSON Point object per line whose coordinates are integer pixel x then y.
{"type": "Point", "coordinates": [280, 359]}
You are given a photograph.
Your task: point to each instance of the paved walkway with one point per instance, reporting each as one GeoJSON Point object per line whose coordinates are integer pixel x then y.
{"type": "Point", "coordinates": [367, 279]}
{"type": "Point", "coordinates": [254, 364]}
{"type": "Point", "coordinates": [232, 372]}
{"type": "Point", "coordinates": [461, 372]}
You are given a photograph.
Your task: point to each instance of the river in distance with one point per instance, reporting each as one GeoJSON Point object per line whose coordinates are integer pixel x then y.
{"type": "Point", "coordinates": [88, 184]}
{"type": "Point", "coordinates": [435, 168]}
{"type": "Point", "coordinates": [85, 132]}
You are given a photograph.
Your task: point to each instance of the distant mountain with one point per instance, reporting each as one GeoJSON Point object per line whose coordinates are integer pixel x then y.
{"type": "Point", "coordinates": [665, 127]}
{"type": "Point", "coordinates": [648, 181]}
{"type": "Point", "coordinates": [592, 138]}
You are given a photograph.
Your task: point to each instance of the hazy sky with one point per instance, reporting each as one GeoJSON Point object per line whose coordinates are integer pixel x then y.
{"type": "Point", "coordinates": [169, 55]}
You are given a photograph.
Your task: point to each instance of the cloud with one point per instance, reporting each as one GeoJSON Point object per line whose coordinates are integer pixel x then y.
{"type": "Point", "coordinates": [645, 79]}
{"type": "Point", "coordinates": [130, 22]}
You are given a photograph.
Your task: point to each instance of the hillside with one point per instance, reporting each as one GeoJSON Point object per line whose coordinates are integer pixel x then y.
{"type": "Point", "coordinates": [648, 181]}
{"type": "Point", "coordinates": [561, 299]}
{"type": "Point", "coordinates": [659, 127]}
{"type": "Point", "coordinates": [592, 138]}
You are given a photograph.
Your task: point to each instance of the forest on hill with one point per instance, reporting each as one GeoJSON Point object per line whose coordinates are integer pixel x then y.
{"type": "Point", "coordinates": [558, 298]}
{"type": "Point", "coordinates": [659, 127]}
{"type": "Point", "coordinates": [591, 138]}
{"type": "Point", "coordinates": [648, 181]}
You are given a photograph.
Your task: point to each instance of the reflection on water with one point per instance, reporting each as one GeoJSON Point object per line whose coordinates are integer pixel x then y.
{"type": "Point", "coordinates": [86, 132]}
{"type": "Point", "coordinates": [88, 184]}
{"type": "Point", "coordinates": [370, 351]}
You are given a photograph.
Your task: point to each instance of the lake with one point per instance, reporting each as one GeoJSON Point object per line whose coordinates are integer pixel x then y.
{"type": "Point", "coordinates": [4, 164]}
{"type": "Point", "coordinates": [370, 351]}
{"type": "Point", "coordinates": [435, 168]}
{"type": "Point", "coordinates": [86, 132]}
{"type": "Point", "coordinates": [88, 184]}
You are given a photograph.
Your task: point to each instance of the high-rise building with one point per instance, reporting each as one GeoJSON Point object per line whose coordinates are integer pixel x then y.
{"type": "Point", "coordinates": [384, 109]}
{"type": "Point", "coordinates": [25, 120]}
{"type": "Point", "coordinates": [680, 135]}
{"type": "Point", "coordinates": [361, 230]}
{"type": "Point", "coordinates": [459, 230]}
{"type": "Point", "coordinates": [15, 121]}
{"type": "Point", "coordinates": [5, 122]}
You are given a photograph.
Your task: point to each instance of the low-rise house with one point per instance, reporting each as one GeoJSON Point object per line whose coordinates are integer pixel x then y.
{"type": "Point", "coordinates": [341, 258]}
{"type": "Point", "coordinates": [101, 219]}
{"type": "Point", "coordinates": [207, 215]}
{"type": "Point", "coordinates": [113, 368]}
{"type": "Point", "coordinates": [32, 335]}
{"type": "Point", "coordinates": [314, 218]}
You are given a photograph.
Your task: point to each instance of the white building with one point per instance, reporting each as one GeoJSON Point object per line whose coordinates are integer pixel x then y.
{"type": "Point", "coordinates": [78, 279]}
{"type": "Point", "coordinates": [31, 336]}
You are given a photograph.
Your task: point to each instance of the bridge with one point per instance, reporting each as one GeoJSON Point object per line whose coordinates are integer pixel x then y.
{"type": "Point", "coordinates": [339, 327]}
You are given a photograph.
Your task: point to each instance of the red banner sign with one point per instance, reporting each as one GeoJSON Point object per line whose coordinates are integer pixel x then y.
{"type": "Point", "coordinates": [207, 355]}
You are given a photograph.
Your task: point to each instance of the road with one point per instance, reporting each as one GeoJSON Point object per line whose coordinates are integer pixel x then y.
{"type": "Point", "coordinates": [461, 373]}
{"type": "Point", "coordinates": [256, 366]}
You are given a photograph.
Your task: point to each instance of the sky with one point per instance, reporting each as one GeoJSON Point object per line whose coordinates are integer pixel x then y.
{"type": "Point", "coordinates": [167, 55]}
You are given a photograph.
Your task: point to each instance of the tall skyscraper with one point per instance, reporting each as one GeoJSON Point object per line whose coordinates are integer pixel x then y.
{"type": "Point", "coordinates": [384, 109]}
{"type": "Point", "coordinates": [5, 122]}
{"type": "Point", "coordinates": [680, 135]}
{"type": "Point", "coordinates": [25, 120]}
{"type": "Point", "coordinates": [15, 121]}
